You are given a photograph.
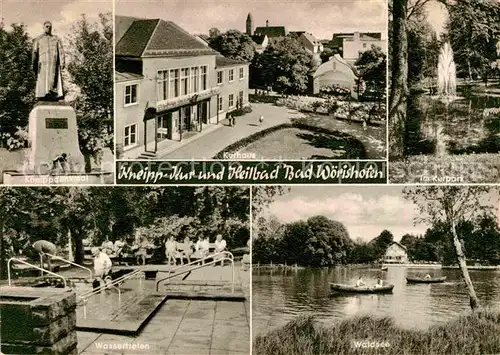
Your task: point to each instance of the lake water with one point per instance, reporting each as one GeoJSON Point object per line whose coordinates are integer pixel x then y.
{"type": "Point", "coordinates": [278, 297]}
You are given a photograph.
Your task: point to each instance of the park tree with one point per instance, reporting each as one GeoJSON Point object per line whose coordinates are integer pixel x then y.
{"type": "Point", "coordinates": [473, 29]}
{"type": "Point", "coordinates": [214, 32]}
{"type": "Point", "coordinates": [372, 66]}
{"type": "Point", "coordinates": [451, 205]}
{"type": "Point", "coordinates": [233, 44]}
{"type": "Point", "coordinates": [285, 65]}
{"type": "Point", "coordinates": [17, 82]}
{"type": "Point", "coordinates": [91, 70]}
{"type": "Point", "coordinates": [381, 243]}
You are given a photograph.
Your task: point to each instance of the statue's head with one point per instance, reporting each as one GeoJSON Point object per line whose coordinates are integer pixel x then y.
{"type": "Point", "coordinates": [47, 27]}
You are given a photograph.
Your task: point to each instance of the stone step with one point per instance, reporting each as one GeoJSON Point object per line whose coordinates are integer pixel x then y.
{"type": "Point", "coordinates": [147, 155]}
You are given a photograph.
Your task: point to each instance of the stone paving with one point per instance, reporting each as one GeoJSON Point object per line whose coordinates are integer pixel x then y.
{"type": "Point", "coordinates": [181, 327]}
{"type": "Point", "coordinates": [206, 146]}
{"type": "Point", "coordinates": [185, 327]}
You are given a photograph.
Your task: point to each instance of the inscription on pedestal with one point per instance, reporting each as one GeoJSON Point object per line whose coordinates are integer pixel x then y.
{"type": "Point", "coordinates": [56, 123]}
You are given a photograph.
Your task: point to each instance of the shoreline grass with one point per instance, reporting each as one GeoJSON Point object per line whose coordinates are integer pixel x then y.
{"type": "Point", "coordinates": [471, 334]}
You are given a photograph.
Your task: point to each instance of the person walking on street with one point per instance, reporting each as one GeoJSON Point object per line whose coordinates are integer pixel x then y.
{"type": "Point", "coordinates": [261, 119]}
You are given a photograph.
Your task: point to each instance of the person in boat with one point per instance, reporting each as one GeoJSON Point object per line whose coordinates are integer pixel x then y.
{"type": "Point", "coordinates": [44, 247]}
{"type": "Point", "coordinates": [170, 249]}
{"type": "Point", "coordinates": [360, 282]}
{"type": "Point", "coordinates": [380, 282]}
{"type": "Point", "coordinates": [102, 265]}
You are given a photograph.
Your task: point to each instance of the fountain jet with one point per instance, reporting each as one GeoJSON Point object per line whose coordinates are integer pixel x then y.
{"type": "Point", "coordinates": [447, 79]}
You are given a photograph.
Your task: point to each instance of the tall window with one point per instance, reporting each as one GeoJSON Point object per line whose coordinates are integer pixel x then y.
{"type": "Point", "coordinates": [130, 135]}
{"type": "Point", "coordinates": [220, 77]}
{"type": "Point", "coordinates": [162, 85]}
{"type": "Point", "coordinates": [184, 81]}
{"type": "Point", "coordinates": [174, 84]}
{"type": "Point", "coordinates": [195, 78]}
{"type": "Point", "coordinates": [231, 75]}
{"type": "Point", "coordinates": [242, 73]}
{"type": "Point", "coordinates": [204, 84]}
{"type": "Point", "coordinates": [219, 104]}
{"type": "Point", "coordinates": [231, 100]}
{"type": "Point", "coordinates": [130, 94]}
{"type": "Point", "coordinates": [241, 98]}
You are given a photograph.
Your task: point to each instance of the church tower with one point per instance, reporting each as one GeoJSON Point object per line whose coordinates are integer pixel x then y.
{"type": "Point", "coordinates": [249, 24]}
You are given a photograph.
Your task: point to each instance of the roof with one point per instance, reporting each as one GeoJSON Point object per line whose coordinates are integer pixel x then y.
{"type": "Point", "coordinates": [374, 36]}
{"type": "Point", "coordinates": [271, 31]}
{"type": "Point", "coordinates": [401, 245]}
{"type": "Point", "coordinates": [311, 38]}
{"type": "Point", "coordinates": [122, 24]}
{"type": "Point", "coordinates": [297, 33]}
{"type": "Point", "coordinates": [156, 37]}
{"type": "Point", "coordinates": [221, 61]}
{"type": "Point", "coordinates": [258, 39]}
{"type": "Point", "coordinates": [121, 77]}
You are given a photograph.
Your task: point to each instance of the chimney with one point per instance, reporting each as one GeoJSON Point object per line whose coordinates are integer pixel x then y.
{"type": "Point", "coordinates": [356, 37]}
{"type": "Point", "coordinates": [267, 23]}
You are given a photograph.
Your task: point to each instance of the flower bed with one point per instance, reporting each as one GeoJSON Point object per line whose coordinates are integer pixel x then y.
{"type": "Point", "coordinates": [369, 112]}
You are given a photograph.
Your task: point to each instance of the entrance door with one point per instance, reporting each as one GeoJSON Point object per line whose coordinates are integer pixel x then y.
{"type": "Point", "coordinates": [186, 118]}
{"type": "Point", "coordinates": [203, 112]}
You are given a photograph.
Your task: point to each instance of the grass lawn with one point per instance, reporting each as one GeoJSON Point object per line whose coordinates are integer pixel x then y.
{"type": "Point", "coordinates": [374, 138]}
{"type": "Point", "coordinates": [476, 333]}
{"type": "Point", "coordinates": [472, 168]}
{"type": "Point", "coordinates": [295, 143]}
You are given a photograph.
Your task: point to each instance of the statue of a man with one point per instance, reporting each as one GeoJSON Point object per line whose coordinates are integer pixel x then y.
{"type": "Point", "coordinates": [48, 62]}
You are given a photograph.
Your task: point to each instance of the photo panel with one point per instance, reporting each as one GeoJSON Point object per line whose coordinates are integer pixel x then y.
{"type": "Point", "coordinates": [444, 91]}
{"type": "Point", "coordinates": [56, 98]}
{"type": "Point", "coordinates": [128, 270]}
{"type": "Point", "coordinates": [251, 80]}
{"type": "Point", "coordinates": [382, 269]}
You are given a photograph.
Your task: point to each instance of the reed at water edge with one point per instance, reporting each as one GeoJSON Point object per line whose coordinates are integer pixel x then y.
{"type": "Point", "coordinates": [471, 334]}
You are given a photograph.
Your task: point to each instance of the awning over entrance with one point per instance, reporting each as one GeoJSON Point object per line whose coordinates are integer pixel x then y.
{"type": "Point", "coordinates": [183, 101]}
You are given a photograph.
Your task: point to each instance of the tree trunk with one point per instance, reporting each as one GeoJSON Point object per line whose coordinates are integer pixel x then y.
{"type": "Point", "coordinates": [71, 256]}
{"type": "Point", "coordinates": [3, 259]}
{"type": "Point", "coordinates": [79, 251]}
{"type": "Point", "coordinates": [474, 301]}
{"type": "Point", "coordinates": [470, 69]}
{"type": "Point", "coordinates": [399, 86]}
{"type": "Point", "coordinates": [88, 163]}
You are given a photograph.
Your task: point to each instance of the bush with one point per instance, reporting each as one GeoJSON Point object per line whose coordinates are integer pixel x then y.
{"type": "Point", "coordinates": [335, 91]}
{"type": "Point", "coordinates": [15, 140]}
{"type": "Point", "coordinates": [242, 111]}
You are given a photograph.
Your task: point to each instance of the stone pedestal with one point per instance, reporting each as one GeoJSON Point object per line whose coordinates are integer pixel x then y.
{"type": "Point", "coordinates": [38, 321]}
{"type": "Point", "coordinates": [52, 130]}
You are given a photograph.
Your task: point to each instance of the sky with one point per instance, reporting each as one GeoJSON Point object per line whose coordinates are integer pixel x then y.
{"type": "Point", "coordinates": [365, 210]}
{"type": "Point", "coordinates": [62, 13]}
{"type": "Point", "coordinates": [320, 17]}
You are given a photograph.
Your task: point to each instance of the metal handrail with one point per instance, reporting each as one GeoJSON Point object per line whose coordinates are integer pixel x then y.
{"type": "Point", "coordinates": [115, 282]}
{"type": "Point", "coordinates": [197, 261]}
{"type": "Point", "coordinates": [72, 263]}
{"type": "Point", "coordinates": [85, 297]}
{"type": "Point", "coordinates": [34, 266]}
{"type": "Point", "coordinates": [200, 267]}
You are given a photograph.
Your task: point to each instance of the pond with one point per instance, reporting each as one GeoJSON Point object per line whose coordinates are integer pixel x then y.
{"type": "Point", "coordinates": [279, 297]}
{"type": "Point", "coordinates": [458, 126]}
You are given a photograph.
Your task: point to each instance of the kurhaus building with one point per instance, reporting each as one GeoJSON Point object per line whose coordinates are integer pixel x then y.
{"type": "Point", "coordinates": [169, 85]}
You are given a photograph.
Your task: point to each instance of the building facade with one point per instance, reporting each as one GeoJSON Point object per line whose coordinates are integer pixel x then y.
{"type": "Point", "coordinates": [167, 86]}
{"type": "Point", "coordinates": [335, 72]}
{"type": "Point", "coordinates": [396, 254]}
{"type": "Point", "coordinates": [353, 44]}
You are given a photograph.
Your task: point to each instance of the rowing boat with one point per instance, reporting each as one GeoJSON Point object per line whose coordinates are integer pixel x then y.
{"type": "Point", "coordinates": [421, 280]}
{"type": "Point", "coordinates": [361, 289]}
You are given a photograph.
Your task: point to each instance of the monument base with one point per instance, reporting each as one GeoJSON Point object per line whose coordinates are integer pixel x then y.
{"type": "Point", "coordinates": [19, 178]}
{"type": "Point", "coordinates": [53, 135]}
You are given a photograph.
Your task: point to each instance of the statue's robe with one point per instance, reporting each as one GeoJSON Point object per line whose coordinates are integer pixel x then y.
{"type": "Point", "coordinates": [48, 58]}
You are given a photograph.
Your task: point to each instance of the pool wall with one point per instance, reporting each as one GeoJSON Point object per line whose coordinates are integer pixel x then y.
{"type": "Point", "coordinates": [38, 321]}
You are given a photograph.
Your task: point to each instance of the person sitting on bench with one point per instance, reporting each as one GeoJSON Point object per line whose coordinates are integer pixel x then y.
{"type": "Point", "coordinates": [187, 250]}
{"type": "Point", "coordinates": [44, 247]}
{"type": "Point", "coordinates": [202, 247]}
{"type": "Point", "coordinates": [118, 247]}
{"type": "Point", "coordinates": [220, 246]}
{"type": "Point", "coordinates": [170, 249]}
